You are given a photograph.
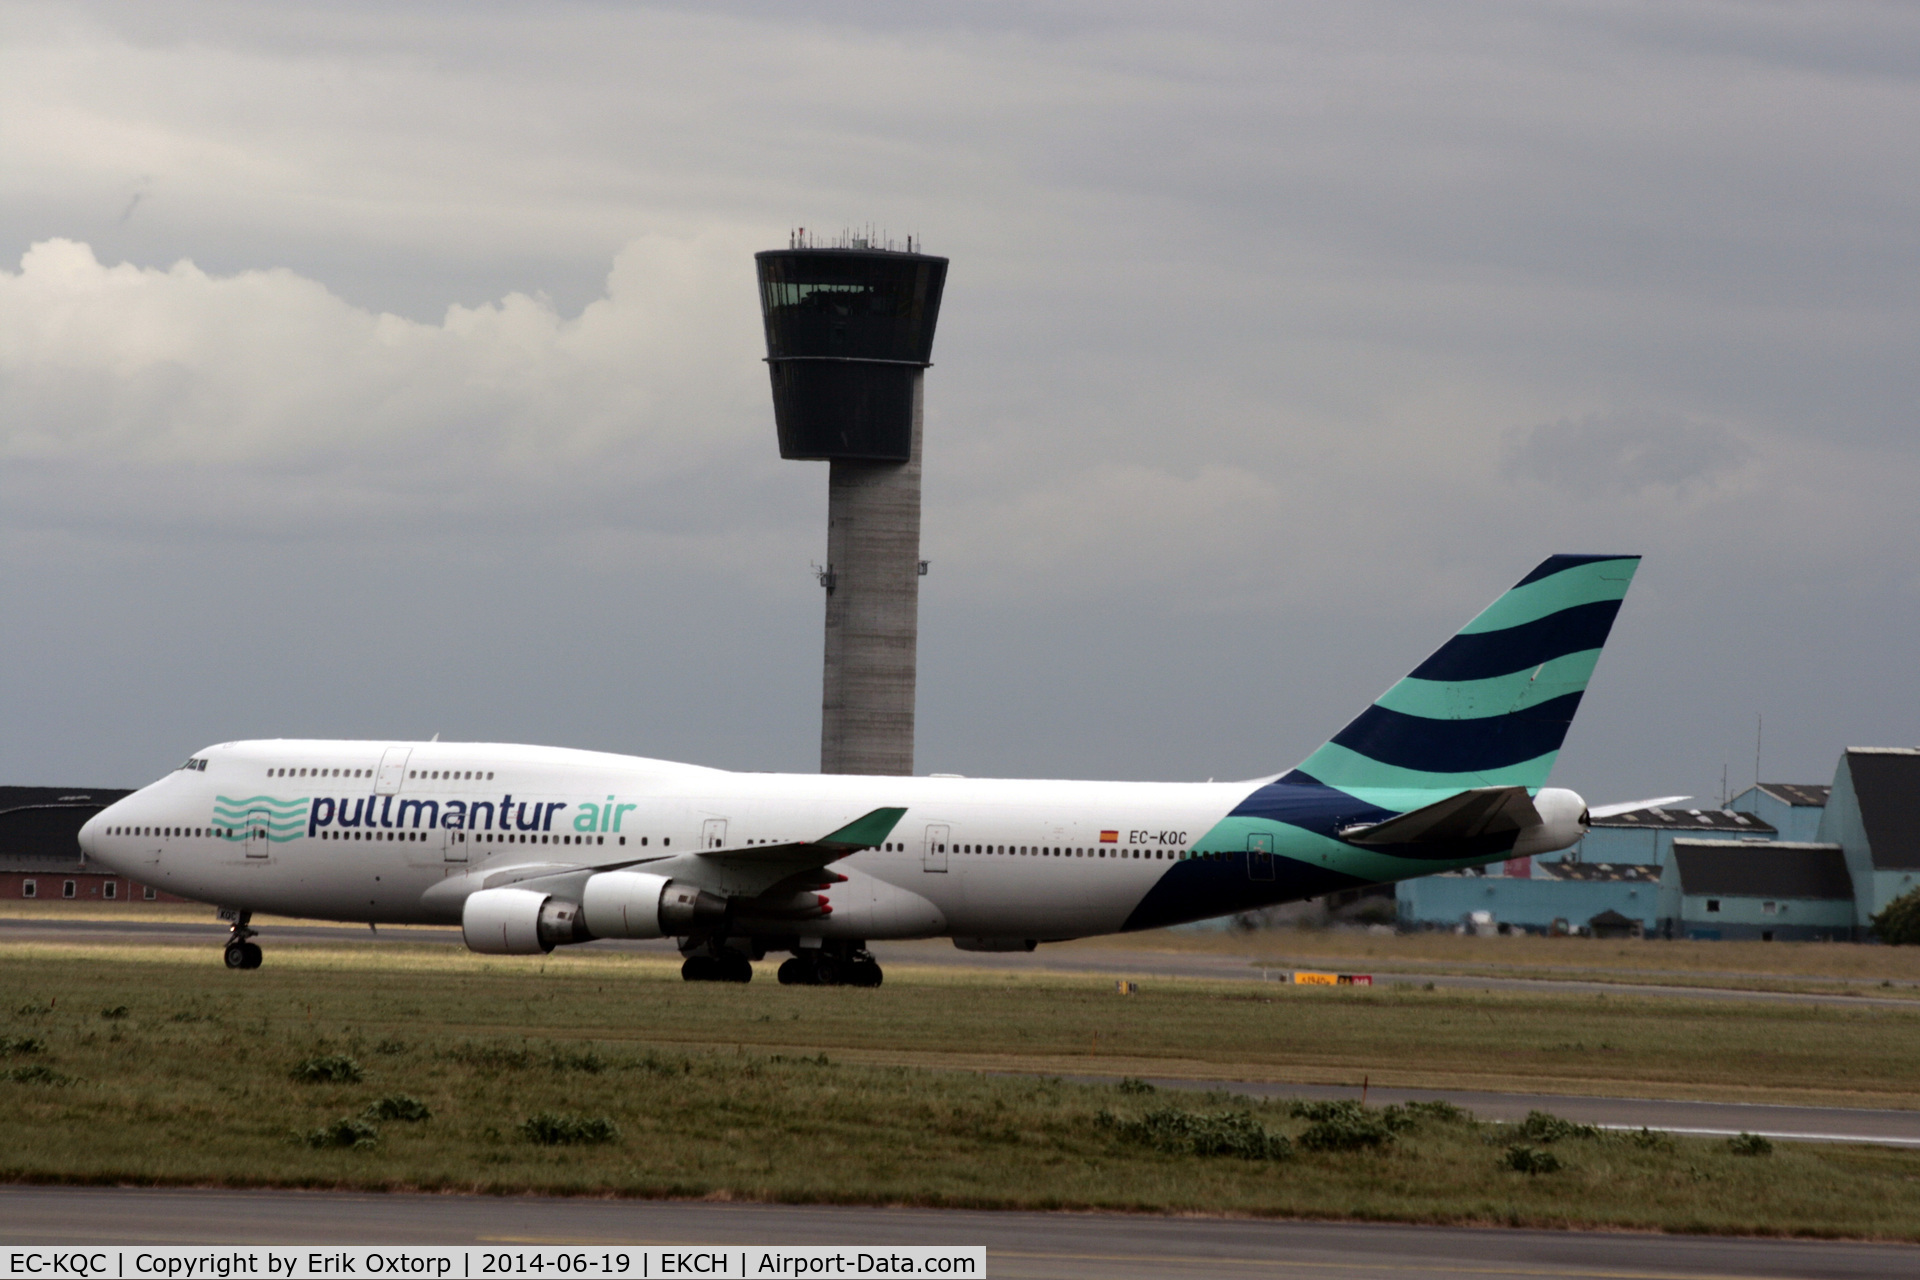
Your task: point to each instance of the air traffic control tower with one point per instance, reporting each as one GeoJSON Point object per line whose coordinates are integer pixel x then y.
{"type": "Point", "coordinates": [849, 338]}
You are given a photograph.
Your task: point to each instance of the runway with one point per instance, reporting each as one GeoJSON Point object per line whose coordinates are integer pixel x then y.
{"type": "Point", "coordinates": [1116, 961]}
{"type": "Point", "coordinates": [1028, 1246]}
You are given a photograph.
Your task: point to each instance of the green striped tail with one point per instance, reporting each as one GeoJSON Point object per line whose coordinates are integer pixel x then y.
{"type": "Point", "coordinates": [1492, 706]}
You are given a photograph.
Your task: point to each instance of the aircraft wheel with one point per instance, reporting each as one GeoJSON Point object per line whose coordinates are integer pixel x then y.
{"type": "Point", "coordinates": [864, 973]}
{"type": "Point", "coordinates": [734, 967]}
{"type": "Point", "coordinates": [700, 969]}
{"type": "Point", "coordinates": [251, 956]}
{"type": "Point", "coordinates": [826, 970]}
{"type": "Point", "coordinates": [236, 956]}
{"type": "Point", "coordinates": [793, 973]}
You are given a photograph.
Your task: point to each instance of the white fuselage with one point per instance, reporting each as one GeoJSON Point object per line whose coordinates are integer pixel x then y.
{"type": "Point", "coordinates": [1067, 858]}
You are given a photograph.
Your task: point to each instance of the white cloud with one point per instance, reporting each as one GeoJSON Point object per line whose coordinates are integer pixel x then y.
{"type": "Point", "coordinates": [266, 378]}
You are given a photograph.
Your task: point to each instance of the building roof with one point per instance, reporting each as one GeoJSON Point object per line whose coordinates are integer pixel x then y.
{"type": "Point", "coordinates": [1689, 820]}
{"type": "Point", "coordinates": [1777, 870]}
{"type": "Point", "coordinates": [1886, 782]}
{"type": "Point", "coordinates": [45, 822]}
{"type": "Point", "coordinates": [1801, 795]}
{"type": "Point", "coordinates": [1612, 919]}
{"type": "Point", "coordinates": [48, 866]}
{"type": "Point", "coordinates": [1591, 872]}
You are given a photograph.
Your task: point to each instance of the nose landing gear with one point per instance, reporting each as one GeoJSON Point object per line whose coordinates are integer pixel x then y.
{"type": "Point", "coordinates": [240, 953]}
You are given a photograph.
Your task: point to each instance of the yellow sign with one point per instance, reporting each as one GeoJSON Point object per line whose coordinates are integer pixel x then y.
{"type": "Point", "coordinates": [1305, 979]}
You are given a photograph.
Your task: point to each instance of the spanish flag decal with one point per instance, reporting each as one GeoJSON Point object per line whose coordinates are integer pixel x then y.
{"type": "Point", "coordinates": [1109, 837]}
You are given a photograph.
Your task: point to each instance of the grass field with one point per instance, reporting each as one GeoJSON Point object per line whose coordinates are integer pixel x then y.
{"type": "Point", "coordinates": [156, 1064]}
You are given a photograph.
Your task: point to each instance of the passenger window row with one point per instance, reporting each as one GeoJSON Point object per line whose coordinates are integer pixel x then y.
{"type": "Point", "coordinates": [434, 775]}
{"type": "Point", "coordinates": [1040, 851]}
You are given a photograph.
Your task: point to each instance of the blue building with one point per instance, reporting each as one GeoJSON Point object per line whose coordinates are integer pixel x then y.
{"type": "Point", "coordinates": [1794, 809]}
{"type": "Point", "coordinates": [1553, 897]}
{"type": "Point", "coordinates": [1789, 890]}
{"type": "Point", "coordinates": [1646, 835]}
{"type": "Point", "coordinates": [1783, 860]}
{"type": "Point", "coordinates": [1874, 816]}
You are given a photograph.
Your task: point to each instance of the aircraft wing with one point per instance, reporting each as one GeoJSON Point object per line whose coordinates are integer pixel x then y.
{"type": "Point", "coordinates": [745, 871]}
{"type": "Point", "coordinates": [1471, 815]}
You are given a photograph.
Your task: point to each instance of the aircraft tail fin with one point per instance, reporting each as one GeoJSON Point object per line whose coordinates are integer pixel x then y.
{"type": "Point", "coordinates": [1491, 707]}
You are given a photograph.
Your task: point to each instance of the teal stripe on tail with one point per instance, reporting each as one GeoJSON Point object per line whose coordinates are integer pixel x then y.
{"type": "Point", "coordinates": [1492, 706]}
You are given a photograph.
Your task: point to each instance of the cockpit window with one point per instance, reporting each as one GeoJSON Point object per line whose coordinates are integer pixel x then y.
{"type": "Point", "coordinates": [195, 763]}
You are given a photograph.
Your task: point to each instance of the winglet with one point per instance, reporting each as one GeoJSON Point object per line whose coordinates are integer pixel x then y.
{"type": "Point", "coordinates": [864, 833]}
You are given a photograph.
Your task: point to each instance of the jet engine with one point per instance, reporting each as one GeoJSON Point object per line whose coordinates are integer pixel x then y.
{"type": "Point", "coordinates": [1562, 822]}
{"type": "Point", "coordinates": [519, 922]}
{"type": "Point", "coordinates": [639, 904]}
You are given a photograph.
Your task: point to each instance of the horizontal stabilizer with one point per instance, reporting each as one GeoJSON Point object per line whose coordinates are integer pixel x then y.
{"type": "Point", "coordinates": [1633, 806]}
{"type": "Point", "coordinates": [1483, 811]}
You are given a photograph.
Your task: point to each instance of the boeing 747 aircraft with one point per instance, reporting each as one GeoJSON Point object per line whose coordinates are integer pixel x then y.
{"type": "Point", "coordinates": [529, 848]}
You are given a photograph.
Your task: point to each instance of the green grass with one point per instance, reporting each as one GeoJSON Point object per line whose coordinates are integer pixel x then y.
{"type": "Point", "coordinates": [604, 1074]}
{"type": "Point", "coordinates": [1530, 1042]}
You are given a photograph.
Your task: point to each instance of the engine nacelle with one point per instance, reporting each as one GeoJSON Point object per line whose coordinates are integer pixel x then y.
{"type": "Point", "coordinates": [1562, 815]}
{"type": "Point", "coordinates": [639, 904]}
{"type": "Point", "coordinates": [519, 922]}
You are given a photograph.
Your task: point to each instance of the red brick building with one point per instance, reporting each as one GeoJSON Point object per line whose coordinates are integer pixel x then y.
{"type": "Point", "coordinates": [40, 856]}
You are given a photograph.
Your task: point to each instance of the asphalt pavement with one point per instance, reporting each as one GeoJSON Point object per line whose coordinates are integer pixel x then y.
{"type": "Point", "coordinates": [1029, 1246]}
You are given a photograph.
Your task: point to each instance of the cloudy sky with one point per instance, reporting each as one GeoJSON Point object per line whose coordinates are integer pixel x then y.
{"type": "Point", "coordinates": [390, 370]}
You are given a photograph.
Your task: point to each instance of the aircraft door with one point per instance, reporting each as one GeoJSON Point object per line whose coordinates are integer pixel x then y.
{"type": "Point", "coordinates": [933, 856]}
{"type": "Point", "coordinates": [1260, 856]}
{"type": "Point", "coordinates": [453, 845]}
{"type": "Point", "coordinates": [713, 833]}
{"type": "Point", "coordinates": [393, 771]}
{"type": "Point", "coordinates": [257, 829]}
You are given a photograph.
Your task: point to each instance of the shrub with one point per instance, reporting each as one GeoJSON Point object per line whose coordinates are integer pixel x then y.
{"type": "Point", "coordinates": [334, 1068]}
{"type": "Point", "coordinates": [23, 1045]}
{"type": "Point", "coordinates": [36, 1074]}
{"type": "Point", "coordinates": [114, 1012]}
{"type": "Point", "coordinates": [587, 1061]}
{"type": "Point", "coordinates": [1201, 1133]}
{"type": "Point", "coordinates": [1540, 1126]}
{"type": "Point", "coordinates": [551, 1129]}
{"type": "Point", "coordinates": [1134, 1084]}
{"type": "Point", "coordinates": [1348, 1125]}
{"type": "Point", "coordinates": [1898, 924]}
{"type": "Point", "coordinates": [347, 1131]}
{"type": "Point", "coordinates": [1524, 1159]}
{"type": "Point", "coordinates": [1749, 1144]}
{"type": "Point", "coordinates": [399, 1106]}
{"type": "Point", "coordinates": [1353, 1131]}
{"type": "Point", "coordinates": [490, 1057]}
{"type": "Point", "coordinates": [1651, 1139]}
{"type": "Point", "coordinates": [1440, 1112]}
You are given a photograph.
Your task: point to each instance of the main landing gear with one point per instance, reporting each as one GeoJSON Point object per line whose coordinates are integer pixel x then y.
{"type": "Point", "coordinates": [838, 967]}
{"type": "Point", "coordinates": [240, 953]}
{"type": "Point", "coordinates": [721, 965]}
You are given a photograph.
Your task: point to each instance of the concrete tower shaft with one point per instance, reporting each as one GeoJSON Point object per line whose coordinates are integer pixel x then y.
{"type": "Point", "coordinates": [849, 336]}
{"type": "Point", "coordinates": [873, 612]}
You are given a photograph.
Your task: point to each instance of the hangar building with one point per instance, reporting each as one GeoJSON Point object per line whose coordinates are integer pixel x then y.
{"type": "Point", "coordinates": [1782, 861]}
